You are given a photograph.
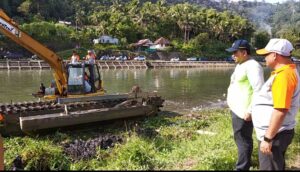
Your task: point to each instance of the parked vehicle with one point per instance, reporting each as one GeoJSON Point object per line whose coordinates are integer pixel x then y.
{"type": "Point", "coordinates": [192, 59]}
{"type": "Point", "coordinates": [111, 58]}
{"type": "Point", "coordinates": [203, 59]}
{"type": "Point", "coordinates": [10, 55]}
{"type": "Point", "coordinates": [229, 59]}
{"type": "Point", "coordinates": [34, 57]}
{"type": "Point", "coordinates": [197, 59]}
{"type": "Point", "coordinates": [175, 59]}
{"type": "Point", "coordinates": [121, 58]}
{"type": "Point", "coordinates": [140, 58]}
{"type": "Point", "coordinates": [104, 57]}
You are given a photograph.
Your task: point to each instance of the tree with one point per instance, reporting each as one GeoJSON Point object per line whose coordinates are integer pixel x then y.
{"type": "Point", "coordinates": [184, 15]}
{"type": "Point", "coordinates": [261, 38]}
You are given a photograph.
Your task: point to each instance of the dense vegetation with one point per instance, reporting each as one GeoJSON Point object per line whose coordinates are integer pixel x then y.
{"type": "Point", "coordinates": [200, 28]}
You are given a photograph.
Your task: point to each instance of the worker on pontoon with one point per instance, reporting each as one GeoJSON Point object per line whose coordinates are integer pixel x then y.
{"type": "Point", "coordinates": [42, 89]}
{"type": "Point", "coordinates": [75, 57]}
{"type": "Point", "coordinates": [90, 57]}
{"type": "Point", "coordinates": [87, 85]}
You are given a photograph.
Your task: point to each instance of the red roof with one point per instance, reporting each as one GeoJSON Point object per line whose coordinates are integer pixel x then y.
{"type": "Point", "coordinates": [144, 42]}
{"type": "Point", "coordinates": [162, 41]}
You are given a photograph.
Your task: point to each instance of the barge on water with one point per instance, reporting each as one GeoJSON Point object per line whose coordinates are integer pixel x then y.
{"type": "Point", "coordinates": [32, 117]}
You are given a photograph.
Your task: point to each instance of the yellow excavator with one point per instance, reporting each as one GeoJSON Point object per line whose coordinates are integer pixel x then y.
{"type": "Point", "coordinates": [69, 78]}
{"type": "Point", "coordinates": [70, 105]}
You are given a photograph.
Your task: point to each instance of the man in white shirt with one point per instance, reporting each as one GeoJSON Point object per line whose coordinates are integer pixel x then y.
{"type": "Point", "coordinates": [246, 80]}
{"type": "Point", "coordinates": [75, 57]}
{"type": "Point", "coordinates": [90, 57]}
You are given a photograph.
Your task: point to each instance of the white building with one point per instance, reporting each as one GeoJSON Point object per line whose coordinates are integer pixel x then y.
{"type": "Point", "coordinates": [105, 39]}
{"type": "Point", "coordinates": [64, 22]}
{"type": "Point", "coordinates": [160, 43]}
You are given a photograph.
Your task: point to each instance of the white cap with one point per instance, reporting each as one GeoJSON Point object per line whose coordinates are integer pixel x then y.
{"type": "Point", "coordinates": [279, 46]}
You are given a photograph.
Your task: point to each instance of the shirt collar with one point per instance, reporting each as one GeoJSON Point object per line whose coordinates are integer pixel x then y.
{"type": "Point", "coordinates": [293, 66]}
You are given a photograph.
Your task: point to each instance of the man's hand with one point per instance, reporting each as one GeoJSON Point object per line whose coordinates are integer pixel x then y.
{"type": "Point", "coordinates": [247, 116]}
{"type": "Point", "coordinates": [265, 147]}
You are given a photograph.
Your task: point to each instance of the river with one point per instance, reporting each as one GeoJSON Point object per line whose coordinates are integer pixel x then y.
{"type": "Point", "coordinates": [183, 89]}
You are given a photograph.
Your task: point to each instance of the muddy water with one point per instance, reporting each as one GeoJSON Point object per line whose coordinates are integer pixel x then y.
{"type": "Point", "coordinates": [182, 88]}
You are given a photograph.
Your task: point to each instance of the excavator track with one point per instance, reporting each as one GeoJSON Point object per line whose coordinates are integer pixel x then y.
{"type": "Point", "coordinates": [44, 107]}
{"type": "Point", "coordinates": [25, 117]}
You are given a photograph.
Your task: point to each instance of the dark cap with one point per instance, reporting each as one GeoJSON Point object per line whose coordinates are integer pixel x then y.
{"type": "Point", "coordinates": [239, 44]}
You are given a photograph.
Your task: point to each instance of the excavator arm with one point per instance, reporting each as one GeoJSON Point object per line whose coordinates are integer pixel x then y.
{"type": "Point", "coordinates": [10, 29]}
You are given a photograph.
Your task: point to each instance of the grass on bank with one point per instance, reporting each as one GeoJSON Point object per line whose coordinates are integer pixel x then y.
{"type": "Point", "coordinates": [169, 142]}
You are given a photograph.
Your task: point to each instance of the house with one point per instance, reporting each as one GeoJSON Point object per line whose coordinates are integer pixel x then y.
{"type": "Point", "coordinates": [105, 39]}
{"type": "Point", "coordinates": [143, 44]}
{"type": "Point", "coordinates": [160, 43]}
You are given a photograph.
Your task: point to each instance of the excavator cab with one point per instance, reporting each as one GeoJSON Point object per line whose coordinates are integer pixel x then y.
{"type": "Point", "coordinates": [83, 78]}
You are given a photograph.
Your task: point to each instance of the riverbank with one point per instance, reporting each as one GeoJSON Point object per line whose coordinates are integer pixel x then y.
{"type": "Point", "coordinates": [198, 140]}
{"type": "Point", "coordinates": [130, 64]}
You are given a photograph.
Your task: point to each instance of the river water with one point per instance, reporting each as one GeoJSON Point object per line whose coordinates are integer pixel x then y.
{"type": "Point", "coordinates": [183, 89]}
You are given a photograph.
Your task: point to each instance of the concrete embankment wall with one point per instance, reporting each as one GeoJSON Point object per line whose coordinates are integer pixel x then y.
{"type": "Point", "coordinates": [23, 64]}
{"type": "Point", "coordinates": [189, 64]}
{"type": "Point", "coordinates": [40, 64]}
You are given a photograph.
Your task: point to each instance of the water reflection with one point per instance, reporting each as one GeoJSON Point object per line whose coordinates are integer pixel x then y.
{"type": "Point", "coordinates": [157, 83]}
{"type": "Point", "coordinates": [174, 73]}
{"type": "Point", "coordinates": [19, 85]}
{"type": "Point", "coordinates": [182, 88]}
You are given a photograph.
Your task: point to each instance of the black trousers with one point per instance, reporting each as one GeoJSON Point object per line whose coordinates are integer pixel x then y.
{"type": "Point", "coordinates": [280, 143]}
{"type": "Point", "coordinates": [242, 131]}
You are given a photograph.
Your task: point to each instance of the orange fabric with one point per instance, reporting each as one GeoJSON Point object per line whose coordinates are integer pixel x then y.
{"type": "Point", "coordinates": [283, 86]}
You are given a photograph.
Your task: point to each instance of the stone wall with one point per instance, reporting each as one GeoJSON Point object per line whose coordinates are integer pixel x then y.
{"type": "Point", "coordinates": [130, 64]}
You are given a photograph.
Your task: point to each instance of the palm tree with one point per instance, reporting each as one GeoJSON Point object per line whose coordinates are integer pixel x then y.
{"type": "Point", "coordinates": [184, 15]}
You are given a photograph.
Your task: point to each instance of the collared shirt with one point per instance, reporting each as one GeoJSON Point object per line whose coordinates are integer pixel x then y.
{"type": "Point", "coordinates": [282, 90]}
{"type": "Point", "coordinates": [246, 80]}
